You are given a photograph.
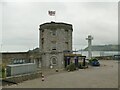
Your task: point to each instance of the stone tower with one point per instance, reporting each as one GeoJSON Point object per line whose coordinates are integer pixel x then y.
{"type": "Point", "coordinates": [54, 39]}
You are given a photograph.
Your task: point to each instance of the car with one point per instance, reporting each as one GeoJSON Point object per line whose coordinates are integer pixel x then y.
{"type": "Point", "coordinates": [95, 63]}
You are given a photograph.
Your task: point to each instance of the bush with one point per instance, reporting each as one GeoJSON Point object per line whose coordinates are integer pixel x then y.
{"type": "Point", "coordinates": [71, 67]}
{"type": "Point", "coordinates": [3, 71]}
{"type": "Point", "coordinates": [3, 75]}
{"type": "Point", "coordinates": [80, 65]}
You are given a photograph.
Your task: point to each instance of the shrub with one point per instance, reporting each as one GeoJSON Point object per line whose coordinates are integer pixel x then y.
{"type": "Point", "coordinates": [80, 65]}
{"type": "Point", "coordinates": [71, 67]}
{"type": "Point", "coordinates": [3, 71]}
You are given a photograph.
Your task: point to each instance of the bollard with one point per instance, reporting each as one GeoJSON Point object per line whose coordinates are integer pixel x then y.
{"type": "Point", "coordinates": [42, 75]}
{"type": "Point", "coordinates": [56, 70]}
{"type": "Point", "coordinates": [68, 70]}
{"type": "Point", "coordinates": [43, 78]}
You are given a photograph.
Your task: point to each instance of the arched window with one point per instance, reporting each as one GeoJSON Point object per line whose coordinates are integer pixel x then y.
{"type": "Point", "coordinates": [53, 60]}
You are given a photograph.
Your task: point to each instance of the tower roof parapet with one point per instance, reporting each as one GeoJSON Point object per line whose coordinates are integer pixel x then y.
{"type": "Point", "coordinates": [56, 25]}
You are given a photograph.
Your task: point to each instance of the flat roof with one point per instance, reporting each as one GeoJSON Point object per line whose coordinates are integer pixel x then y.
{"type": "Point", "coordinates": [51, 25]}
{"type": "Point", "coordinates": [14, 52]}
{"type": "Point", "coordinates": [73, 55]}
{"type": "Point", "coordinates": [13, 65]}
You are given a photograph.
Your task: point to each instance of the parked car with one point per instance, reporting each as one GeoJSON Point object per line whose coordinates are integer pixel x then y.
{"type": "Point", "coordinates": [94, 62]}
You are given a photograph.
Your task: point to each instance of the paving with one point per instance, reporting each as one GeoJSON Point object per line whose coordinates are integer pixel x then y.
{"type": "Point", "coordinates": [105, 76]}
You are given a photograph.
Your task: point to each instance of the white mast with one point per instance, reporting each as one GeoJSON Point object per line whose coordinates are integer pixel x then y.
{"type": "Point", "coordinates": [90, 38]}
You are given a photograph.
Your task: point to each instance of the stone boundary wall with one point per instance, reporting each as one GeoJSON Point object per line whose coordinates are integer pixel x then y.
{"type": "Point", "coordinates": [21, 78]}
{"type": "Point", "coordinates": [105, 57]}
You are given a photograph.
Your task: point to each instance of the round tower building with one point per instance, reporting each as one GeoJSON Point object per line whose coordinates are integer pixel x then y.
{"type": "Point", "coordinates": [55, 38]}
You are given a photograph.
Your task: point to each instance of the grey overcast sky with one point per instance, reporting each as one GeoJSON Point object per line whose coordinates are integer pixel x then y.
{"type": "Point", "coordinates": [21, 20]}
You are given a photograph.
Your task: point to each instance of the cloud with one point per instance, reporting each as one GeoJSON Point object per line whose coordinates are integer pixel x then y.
{"type": "Point", "coordinates": [21, 22]}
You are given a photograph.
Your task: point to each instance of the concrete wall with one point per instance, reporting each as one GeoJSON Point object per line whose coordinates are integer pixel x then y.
{"type": "Point", "coordinates": [21, 78]}
{"type": "Point", "coordinates": [19, 69]}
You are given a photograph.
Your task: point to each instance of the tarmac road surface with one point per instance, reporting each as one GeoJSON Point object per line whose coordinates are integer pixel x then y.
{"type": "Point", "coordinates": [105, 76]}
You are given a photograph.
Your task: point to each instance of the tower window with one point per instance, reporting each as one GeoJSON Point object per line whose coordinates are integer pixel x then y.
{"type": "Point", "coordinates": [42, 40]}
{"type": "Point", "coordinates": [66, 30]}
{"type": "Point", "coordinates": [53, 45]}
{"type": "Point", "coordinates": [54, 48]}
{"type": "Point", "coordinates": [54, 61]}
{"type": "Point", "coordinates": [42, 30]}
{"type": "Point", "coordinates": [67, 46]}
{"type": "Point", "coordinates": [66, 42]}
{"type": "Point", "coordinates": [53, 32]}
